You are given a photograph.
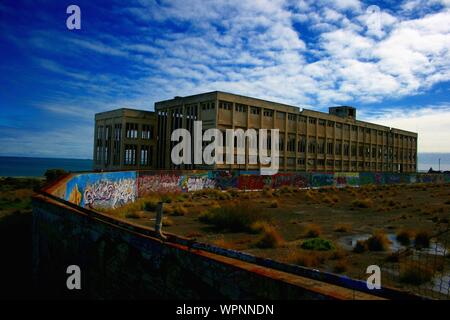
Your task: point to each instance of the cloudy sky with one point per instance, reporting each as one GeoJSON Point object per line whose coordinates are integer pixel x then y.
{"type": "Point", "coordinates": [390, 59]}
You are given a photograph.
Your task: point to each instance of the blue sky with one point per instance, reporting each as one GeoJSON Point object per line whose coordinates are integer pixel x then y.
{"type": "Point", "coordinates": [391, 61]}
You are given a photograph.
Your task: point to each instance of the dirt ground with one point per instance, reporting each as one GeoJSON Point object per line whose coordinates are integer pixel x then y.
{"type": "Point", "coordinates": [332, 214]}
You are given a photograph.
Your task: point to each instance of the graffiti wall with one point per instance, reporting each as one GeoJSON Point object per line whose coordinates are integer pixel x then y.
{"type": "Point", "coordinates": [102, 190]}
{"type": "Point", "coordinates": [114, 189]}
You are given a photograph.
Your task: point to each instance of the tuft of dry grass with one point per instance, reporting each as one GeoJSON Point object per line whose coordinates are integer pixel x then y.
{"type": "Point", "coordinates": [422, 239]}
{"type": "Point", "coordinates": [404, 236]}
{"type": "Point", "coordinates": [274, 204]}
{"type": "Point", "coordinates": [415, 273]}
{"type": "Point", "coordinates": [312, 231]}
{"type": "Point", "coordinates": [378, 241]}
{"type": "Point", "coordinates": [134, 215]}
{"type": "Point", "coordinates": [234, 217]}
{"type": "Point", "coordinates": [307, 259]}
{"type": "Point", "coordinates": [179, 210]}
{"type": "Point", "coordinates": [222, 243]}
{"type": "Point", "coordinates": [341, 266]}
{"type": "Point", "coordinates": [167, 222]}
{"type": "Point", "coordinates": [362, 203]}
{"type": "Point", "coordinates": [344, 227]}
{"type": "Point", "coordinates": [270, 238]}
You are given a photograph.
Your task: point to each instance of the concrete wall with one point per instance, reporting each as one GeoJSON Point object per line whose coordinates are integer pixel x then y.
{"type": "Point", "coordinates": [113, 189]}
{"type": "Point", "coordinates": [119, 260]}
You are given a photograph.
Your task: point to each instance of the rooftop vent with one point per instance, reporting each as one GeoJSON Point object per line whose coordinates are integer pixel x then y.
{"type": "Point", "coordinates": [343, 111]}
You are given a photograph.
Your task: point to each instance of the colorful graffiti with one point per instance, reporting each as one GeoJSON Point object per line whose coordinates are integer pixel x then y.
{"type": "Point", "coordinates": [113, 189]}
{"type": "Point", "coordinates": [102, 190]}
{"type": "Point", "coordinates": [343, 179]}
{"type": "Point", "coordinates": [163, 183]}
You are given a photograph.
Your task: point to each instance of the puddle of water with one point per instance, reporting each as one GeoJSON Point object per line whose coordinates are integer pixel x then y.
{"type": "Point", "coordinates": [349, 242]}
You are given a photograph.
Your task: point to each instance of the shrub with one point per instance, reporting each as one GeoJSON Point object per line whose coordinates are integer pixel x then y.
{"type": "Point", "coordinates": [318, 244]}
{"type": "Point", "coordinates": [54, 174]}
{"type": "Point", "coordinates": [422, 239]}
{"type": "Point", "coordinates": [313, 231]}
{"type": "Point", "coordinates": [415, 274]}
{"type": "Point", "coordinates": [270, 238]}
{"type": "Point", "coordinates": [404, 237]}
{"type": "Point", "coordinates": [134, 215]}
{"type": "Point", "coordinates": [340, 266]}
{"type": "Point", "coordinates": [150, 205]}
{"type": "Point", "coordinates": [235, 218]}
{"type": "Point", "coordinates": [362, 203]}
{"type": "Point", "coordinates": [360, 247]}
{"type": "Point", "coordinates": [267, 192]}
{"type": "Point", "coordinates": [166, 222]}
{"type": "Point", "coordinates": [311, 195]}
{"type": "Point", "coordinates": [166, 199]}
{"type": "Point", "coordinates": [274, 204]}
{"type": "Point", "coordinates": [307, 259]}
{"type": "Point", "coordinates": [179, 210]}
{"type": "Point", "coordinates": [378, 242]}
{"type": "Point", "coordinates": [342, 228]}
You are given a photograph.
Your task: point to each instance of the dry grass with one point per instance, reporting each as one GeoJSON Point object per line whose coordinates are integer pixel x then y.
{"type": "Point", "coordinates": [344, 227]}
{"type": "Point", "coordinates": [341, 266]}
{"type": "Point", "coordinates": [362, 203]}
{"type": "Point", "coordinates": [235, 218]}
{"type": "Point", "coordinates": [222, 243]}
{"type": "Point", "coordinates": [404, 236]}
{"type": "Point", "coordinates": [179, 210]}
{"type": "Point", "coordinates": [378, 241]}
{"type": "Point", "coordinates": [415, 273]}
{"type": "Point", "coordinates": [274, 204]}
{"type": "Point", "coordinates": [312, 231]}
{"type": "Point", "coordinates": [422, 239]}
{"type": "Point", "coordinates": [305, 259]}
{"type": "Point", "coordinates": [167, 222]}
{"type": "Point", "coordinates": [270, 238]}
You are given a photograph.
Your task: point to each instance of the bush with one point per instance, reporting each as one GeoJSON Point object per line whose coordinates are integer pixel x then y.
{"type": "Point", "coordinates": [307, 259]}
{"type": "Point", "coordinates": [340, 266]}
{"type": "Point", "coordinates": [166, 222]}
{"type": "Point", "coordinates": [54, 174]}
{"type": "Point", "coordinates": [360, 247]}
{"type": "Point", "coordinates": [318, 244]}
{"type": "Point", "coordinates": [179, 210]}
{"type": "Point", "coordinates": [342, 228]}
{"type": "Point", "coordinates": [362, 203]}
{"type": "Point", "coordinates": [378, 242]}
{"type": "Point", "coordinates": [235, 218]}
{"type": "Point", "coordinates": [422, 239]}
{"type": "Point", "coordinates": [415, 274]}
{"type": "Point", "coordinates": [404, 237]}
{"type": "Point", "coordinates": [270, 238]}
{"type": "Point", "coordinates": [274, 204]}
{"type": "Point", "coordinates": [313, 231]}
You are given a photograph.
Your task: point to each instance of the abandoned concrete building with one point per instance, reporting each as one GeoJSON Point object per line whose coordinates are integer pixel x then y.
{"type": "Point", "coordinates": [309, 140]}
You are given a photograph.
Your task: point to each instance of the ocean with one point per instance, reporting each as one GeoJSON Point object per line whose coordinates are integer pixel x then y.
{"type": "Point", "coordinates": [36, 167]}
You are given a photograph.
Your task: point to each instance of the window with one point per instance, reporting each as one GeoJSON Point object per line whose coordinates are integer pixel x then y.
{"type": "Point", "coordinates": [130, 154]}
{"type": "Point", "coordinates": [147, 132]}
{"type": "Point", "coordinates": [339, 125]}
{"type": "Point", "coordinates": [353, 150]}
{"type": "Point", "coordinates": [320, 162]}
{"type": "Point", "coordinates": [338, 147]}
{"type": "Point", "coordinates": [302, 119]}
{"type": "Point", "coordinates": [291, 117]}
{"type": "Point", "coordinates": [240, 108]}
{"type": "Point", "coordinates": [346, 127]}
{"type": "Point", "coordinates": [291, 162]}
{"type": "Point", "coordinates": [225, 105]}
{"type": "Point", "coordinates": [302, 144]}
{"type": "Point", "coordinates": [312, 145]}
{"type": "Point", "coordinates": [207, 106]}
{"type": "Point", "coordinates": [330, 148]}
{"type": "Point", "coordinates": [321, 147]}
{"type": "Point", "coordinates": [312, 120]}
{"type": "Point", "coordinates": [255, 110]}
{"type": "Point", "coordinates": [322, 122]}
{"type": "Point", "coordinates": [354, 128]}
{"type": "Point", "coordinates": [281, 146]}
{"type": "Point", "coordinates": [132, 130]}
{"type": "Point", "coordinates": [291, 144]}
{"type": "Point", "coordinates": [301, 161]}
{"type": "Point", "coordinates": [144, 159]}
{"type": "Point", "coordinates": [346, 149]}
{"type": "Point", "coordinates": [281, 115]}
{"type": "Point", "coordinates": [268, 113]}
{"type": "Point", "coordinates": [330, 124]}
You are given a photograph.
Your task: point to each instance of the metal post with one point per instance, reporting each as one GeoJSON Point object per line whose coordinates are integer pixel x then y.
{"type": "Point", "coordinates": [159, 218]}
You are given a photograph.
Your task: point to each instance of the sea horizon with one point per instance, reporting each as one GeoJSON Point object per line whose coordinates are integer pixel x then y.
{"type": "Point", "coordinates": [18, 166]}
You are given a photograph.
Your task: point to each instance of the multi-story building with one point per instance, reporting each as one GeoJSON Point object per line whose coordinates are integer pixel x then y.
{"type": "Point", "coordinates": [125, 139]}
{"type": "Point", "coordinates": [309, 140]}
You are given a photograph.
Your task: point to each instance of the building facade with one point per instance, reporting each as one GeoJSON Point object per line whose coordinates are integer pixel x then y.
{"type": "Point", "coordinates": [125, 139]}
{"type": "Point", "coordinates": [309, 140]}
